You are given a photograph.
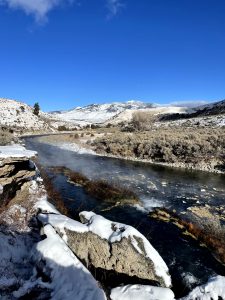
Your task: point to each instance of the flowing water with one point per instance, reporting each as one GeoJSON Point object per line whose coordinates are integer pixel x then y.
{"type": "Point", "coordinates": [188, 262]}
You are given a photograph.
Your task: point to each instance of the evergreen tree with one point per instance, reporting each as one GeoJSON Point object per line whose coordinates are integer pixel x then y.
{"type": "Point", "coordinates": [36, 109]}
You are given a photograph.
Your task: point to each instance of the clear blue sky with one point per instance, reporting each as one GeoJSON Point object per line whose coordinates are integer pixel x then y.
{"type": "Point", "coordinates": [78, 53]}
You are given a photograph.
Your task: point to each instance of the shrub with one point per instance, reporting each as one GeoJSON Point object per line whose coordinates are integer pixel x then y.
{"type": "Point", "coordinates": [6, 137]}
{"type": "Point", "coordinates": [166, 145]}
{"type": "Point", "coordinates": [22, 108]}
{"type": "Point", "coordinates": [142, 120]}
{"type": "Point", "coordinates": [62, 128]}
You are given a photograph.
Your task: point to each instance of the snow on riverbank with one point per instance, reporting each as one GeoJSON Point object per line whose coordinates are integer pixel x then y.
{"type": "Point", "coordinates": [212, 290]}
{"type": "Point", "coordinates": [16, 151]}
{"type": "Point", "coordinates": [141, 292]}
{"type": "Point", "coordinates": [70, 279]}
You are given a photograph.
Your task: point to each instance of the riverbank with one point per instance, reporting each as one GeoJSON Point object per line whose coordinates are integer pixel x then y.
{"type": "Point", "coordinates": [197, 149]}
{"type": "Point", "coordinates": [91, 142]}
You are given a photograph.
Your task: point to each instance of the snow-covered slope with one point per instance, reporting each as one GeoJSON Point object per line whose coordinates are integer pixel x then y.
{"type": "Point", "coordinates": [126, 116]}
{"type": "Point", "coordinates": [99, 113]}
{"type": "Point", "coordinates": [212, 113]}
{"type": "Point", "coordinates": [113, 112]}
{"type": "Point", "coordinates": [19, 116]}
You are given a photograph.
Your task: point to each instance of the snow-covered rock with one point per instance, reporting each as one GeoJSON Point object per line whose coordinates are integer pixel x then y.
{"type": "Point", "coordinates": [70, 279]}
{"type": "Point", "coordinates": [212, 290]}
{"type": "Point", "coordinates": [16, 151]}
{"type": "Point", "coordinates": [141, 292]}
{"type": "Point", "coordinates": [46, 207]}
{"type": "Point", "coordinates": [111, 246]}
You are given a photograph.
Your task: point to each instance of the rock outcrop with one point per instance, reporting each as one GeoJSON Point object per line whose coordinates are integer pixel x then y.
{"type": "Point", "coordinates": [16, 169]}
{"type": "Point", "coordinates": [111, 247]}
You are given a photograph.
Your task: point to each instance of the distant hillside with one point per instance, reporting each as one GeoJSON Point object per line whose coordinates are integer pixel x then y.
{"type": "Point", "coordinates": [98, 113]}
{"type": "Point", "coordinates": [213, 109]}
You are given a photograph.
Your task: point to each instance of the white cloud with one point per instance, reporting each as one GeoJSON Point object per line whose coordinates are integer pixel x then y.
{"type": "Point", "coordinates": [114, 6]}
{"type": "Point", "coordinates": [38, 8]}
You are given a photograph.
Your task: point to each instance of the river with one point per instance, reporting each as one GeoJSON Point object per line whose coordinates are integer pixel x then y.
{"type": "Point", "coordinates": [188, 262]}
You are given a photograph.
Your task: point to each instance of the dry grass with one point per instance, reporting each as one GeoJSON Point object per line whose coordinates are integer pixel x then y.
{"type": "Point", "coordinates": [207, 231]}
{"type": "Point", "coordinates": [188, 146]}
{"type": "Point", "coordinates": [110, 192]}
{"type": "Point", "coordinates": [100, 189]}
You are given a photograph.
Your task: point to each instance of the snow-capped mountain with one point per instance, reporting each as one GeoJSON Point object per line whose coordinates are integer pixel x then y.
{"type": "Point", "coordinates": [99, 113]}
{"type": "Point", "coordinates": [20, 117]}
{"type": "Point", "coordinates": [113, 112]}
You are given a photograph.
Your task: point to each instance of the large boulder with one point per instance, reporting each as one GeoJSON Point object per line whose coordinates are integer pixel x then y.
{"type": "Point", "coordinates": [111, 246]}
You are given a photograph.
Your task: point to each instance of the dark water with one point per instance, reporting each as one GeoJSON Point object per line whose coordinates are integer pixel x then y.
{"type": "Point", "coordinates": [189, 264]}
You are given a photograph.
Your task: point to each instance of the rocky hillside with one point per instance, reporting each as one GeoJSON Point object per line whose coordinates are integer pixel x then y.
{"type": "Point", "coordinates": [20, 117]}
{"type": "Point", "coordinates": [214, 112]}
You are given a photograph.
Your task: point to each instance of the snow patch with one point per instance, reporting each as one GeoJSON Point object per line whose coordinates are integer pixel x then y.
{"type": "Point", "coordinates": [61, 222]}
{"type": "Point", "coordinates": [70, 279]}
{"type": "Point", "coordinates": [212, 290]}
{"type": "Point", "coordinates": [16, 151]}
{"type": "Point", "coordinates": [141, 292]}
{"type": "Point", "coordinates": [45, 206]}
